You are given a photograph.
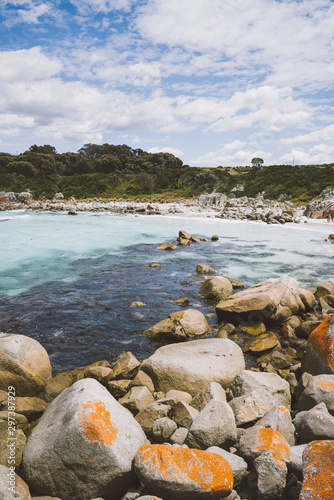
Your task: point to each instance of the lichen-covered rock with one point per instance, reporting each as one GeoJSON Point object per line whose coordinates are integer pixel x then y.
{"type": "Point", "coordinates": [271, 476]}
{"type": "Point", "coordinates": [83, 446]}
{"type": "Point", "coordinates": [191, 366]}
{"type": "Point", "coordinates": [238, 464]}
{"type": "Point", "coordinates": [257, 440]}
{"type": "Point", "coordinates": [318, 473]}
{"type": "Point", "coordinates": [182, 474]}
{"type": "Point", "coordinates": [24, 364]}
{"type": "Point", "coordinates": [275, 299]}
{"type": "Point", "coordinates": [319, 354]}
{"type": "Point", "coordinates": [279, 419]}
{"type": "Point", "coordinates": [319, 389]}
{"type": "Point", "coordinates": [216, 288]}
{"type": "Point", "coordinates": [181, 325]}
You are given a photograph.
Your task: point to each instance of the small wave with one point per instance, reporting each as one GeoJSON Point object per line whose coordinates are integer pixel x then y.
{"type": "Point", "coordinates": [13, 217]}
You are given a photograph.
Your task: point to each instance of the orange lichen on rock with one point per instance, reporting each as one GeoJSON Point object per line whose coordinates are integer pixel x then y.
{"type": "Point", "coordinates": [95, 423]}
{"type": "Point", "coordinates": [318, 461]}
{"type": "Point", "coordinates": [322, 341]}
{"type": "Point", "coordinates": [269, 439]}
{"type": "Point", "coordinates": [204, 469]}
{"type": "Point", "coordinates": [325, 385]}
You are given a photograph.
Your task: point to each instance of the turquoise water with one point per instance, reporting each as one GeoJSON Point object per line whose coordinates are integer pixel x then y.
{"type": "Point", "coordinates": [69, 281]}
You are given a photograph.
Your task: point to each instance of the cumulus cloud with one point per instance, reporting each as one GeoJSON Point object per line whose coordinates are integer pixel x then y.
{"type": "Point", "coordinates": [236, 153]}
{"type": "Point", "coordinates": [174, 151]}
{"type": "Point", "coordinates": [104, 6]}
{"type": "Point", "coordinates": [27, 64]}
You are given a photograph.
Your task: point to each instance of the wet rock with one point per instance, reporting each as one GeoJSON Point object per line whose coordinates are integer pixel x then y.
{"type": "Point", "coordinates": [318, 461]}
{"type": "Point", "coordinates": [155, 264]}
{"type": "Point", "coordinates": [314, 424]}
{"type": "Point", "coordinates": [212, 391]}
{"type": "Point", "coordinates": [24, 364]}
{"type": "Point", "coordinates": [214, 426]}
{"type": "Point", "coordinates": [236, 283]}
{"type": "Point", "coordinates": [205, 269]}
{"type": "Point", "coordinates": [182, 302]}
{"type": "Point", "coordinates": [179, 473]}
{"type": "Point", "coordinates": [180, 324]}
{"type": "Point", "coordinates": [191, 366]}
{"type": "Point", "coordinates": [319, 389]}
{"type": "Point", "coordinates": [167, 246]}
{"type": "Point", "coordinates": [257, 329]}
{"type": "Point", "coordinates": [262, 343]}
{"type": "Point", "coordinates": [217, 288]}
{"type": "Point", "coordinates": [277, 359]}
{"type": "Point", "coordinates": [319, 354]}
{"type": "Point", "coordinates": [214, 237]}
{"type": "Point", "coordinates": [275, 299]}
{"type": "Point", "coordinates": [225, 330]}
{"type": "Point", "coordinates": [83, 446]}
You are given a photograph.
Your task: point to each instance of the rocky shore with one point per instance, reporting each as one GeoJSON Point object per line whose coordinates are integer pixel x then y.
{"type": "Point", "coordinates": [247, 415]}
{"type": "Point", "coordinates": [256, 209]}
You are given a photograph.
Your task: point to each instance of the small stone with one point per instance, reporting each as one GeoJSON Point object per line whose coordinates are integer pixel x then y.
{"type": "Point", "coordinates": [126, 367]}
{"type": "Point", "coordinates": [262, 343]}
{"type": "Point", "coordinates": [212, 391]}
{"type": "Point", "coordinates": [155, 264]}
{"type": "Point", "coordinates": [150, 414]}
{"type": "Point", "coordinates": [271, 476]}
{"type": "Point", "coordinates": [205, 269]}
{"type": "Point", "coordinates": [179, 436]}
{"type": "Point", "coordinates": [179, 396]}
{"type": "Point", "coordinates": [163, 428]}
{"type": "Point", "coordinates": [214, 237]}
{"type": "Point", "coordinates": [167, 246]}
{"type": "Point", "coordinates": [143, 379]}
{"type": "Point", "coordinates": [254, 330]}
{"type": "Point", "coordinates": [31, 408]}
{"type": "Point", "coordinates": [137, 399]}
{"type": "Point", "coordinates": [102, 374]}
{"type": "Point", "coordinates": [217, 288]}
{"type": "Point", "coordinates": [118, 388]}
{"type": "Point", "coordinates": [183, 414]}
{"type": "Point", "coordinates": [138, 303]}
{"type": "Point", "coordinates": [182, 302]}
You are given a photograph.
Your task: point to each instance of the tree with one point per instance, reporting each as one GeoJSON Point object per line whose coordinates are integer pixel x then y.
{"type": "Point", "coordinates": [257, 162]}
{"type": "Point", "coordinates": [46, 149]}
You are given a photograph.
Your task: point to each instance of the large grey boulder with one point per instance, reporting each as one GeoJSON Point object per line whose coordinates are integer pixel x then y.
{"type": "Point", "coordinates": [83, 446]}
{"type": "Point", "coordinates": [24, 364]}
{"type": "Point", "coordinates": [279, 419]}
{"type": "Point", "coordinates": [275, 299]}
{"type": "Point", "coordinates": [12, 487]}
{"type": "Point", "coordinates": [275, 391]}
{"type": "Point", "coordinates": [214, 426]}
{"type": "Point", "coordinates": [318, 358]}
{"type": "Point", "coordinates": [210, 392]}
{"type": "Point", "coordinates": [314, 424]}
{"type": "Point", "coordinates": [319, 389]}
{"type": "Point", "coordinates": [181, 325]}
{"type": "Point", "coordinates": [191, 366]}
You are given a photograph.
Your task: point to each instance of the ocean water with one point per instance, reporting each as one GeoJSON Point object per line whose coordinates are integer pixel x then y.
{"type": "Point", "coordinates": [69, 281]}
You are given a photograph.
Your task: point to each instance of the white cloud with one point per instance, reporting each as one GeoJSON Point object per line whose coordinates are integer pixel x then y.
{"type": "Point", "coordinates": [26, 65]}
{"type": "Point", "coordinates": [236, 153]}
{"type": "Point", "coordinates": [86, 6]}
{"type": "Point", "coordinates": [325, 135]}
{"type": "Point", "coordinates": [174, 151]}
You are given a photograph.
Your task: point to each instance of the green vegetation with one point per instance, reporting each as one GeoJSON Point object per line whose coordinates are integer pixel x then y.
{"type": "Point", "coordinates": [118, 171]}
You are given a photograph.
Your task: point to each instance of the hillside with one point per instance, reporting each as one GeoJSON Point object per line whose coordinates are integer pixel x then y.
{"type": "Point", "coordinates": [118, 171]}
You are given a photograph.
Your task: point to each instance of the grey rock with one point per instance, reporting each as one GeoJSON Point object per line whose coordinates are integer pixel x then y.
{"type": "Point", "coordinates": [179, 436]}
{"type": "Point", "coordinates": [295, 465]}
{"type": "Point", "coordinates": [314, 424]}
{"type": "Point", "coordinates": [210, 392]}
{"type": "Point", "coordinates": [319, 389]}
{"type": "Point", "coordinates": [163, 428]}
{"type": "Point", "coordinates": [143, 379]}
{"type": "Point", "coordinates": [191, 366]}
{"type": "Point", "coordinates": [280, 419]}
{"type": "Point", "coordinates": [12, 487]}
{"type": "Point", "coordinates": [214, 426]}
{"type": "Point", "coordinates": [137, 399]}
{"type": "Point", "coordinates": [183, 414]}
{"type": "Point", "coordinates": [150, 414]}
{"type": "Point", "coordinates": [83, 445]}
{"type": "Point", "coordinates": [272, 475]}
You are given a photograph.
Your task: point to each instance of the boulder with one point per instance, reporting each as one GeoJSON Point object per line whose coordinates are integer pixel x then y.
{"type": "Point", "coordinates": [24, 364]}
{"type": "Point", "coordinates": [295, 464]}
{"type": "Point", "coordinates": [205, 269]}
{"type": "Point", "coordinates": [319, 354]}
{"type": "Point", "coordinates": [279, 419]}
{"type": "Point", "coordinates": [137, 399]}
{"type": "Point", "coordinates": [55, 385]}
{"type": "Point", "coordinates": [274, 300]}
{"type": "Point", "coordinates": [318, 471]}
{"type": "Point", "coordinates": [31, 408]}
{"type": "Point", "coordinates": [216, 288]}
{"type": "Point", "coordinates": [250, 407]}
{"type": "Point", "coordinates": [314, 424]}
{"type": "Point", "coordinates": [83, 445]}
{"type": "Point", "coordinates": [271, 476]}
{"type": "Point", "coordinates": [257, 440]}
{"type": "Point", "coordinates": [191, 366]}
{"type": "Point", "coordinates": [102, 374]}
{"type": "Point", "coordinates": [119, 388]}
{"type": "Point", "coordinates": [24, 197]}
{"type": "Point", "coordinates": [12, 487]}
{"type": "Point", "coordinates": [214, 426]}
{"type": "Point", "coordinates": [167, 246]}
{"type": "Point", "coordinates": [319, 389]}
{"type": "Point", "coordinates": [183, 474]}
{"type": "Point", "coordinates": [180, 324]}
{"type": "Point", "coordinates": [273, 388]}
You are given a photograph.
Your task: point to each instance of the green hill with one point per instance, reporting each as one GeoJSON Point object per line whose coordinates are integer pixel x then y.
{"type": "Point", "coordinates": [118, 171]}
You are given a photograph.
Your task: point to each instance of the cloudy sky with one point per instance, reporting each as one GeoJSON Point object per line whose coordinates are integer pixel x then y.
{"type": "Point", "coordinates": [215, 82]}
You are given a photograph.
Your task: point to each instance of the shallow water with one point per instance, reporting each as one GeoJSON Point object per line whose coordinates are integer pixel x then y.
{"type": "Point", "coordinates": [69, 282]}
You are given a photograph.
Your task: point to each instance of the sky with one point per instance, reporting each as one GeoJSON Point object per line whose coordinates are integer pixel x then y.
{"type": "Point", "coordinates": [215, 82]}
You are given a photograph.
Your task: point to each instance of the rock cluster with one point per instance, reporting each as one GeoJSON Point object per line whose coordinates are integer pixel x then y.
{"type": "Point", "coordinates": [194, 420]}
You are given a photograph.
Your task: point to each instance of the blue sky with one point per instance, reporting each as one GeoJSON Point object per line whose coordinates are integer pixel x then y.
{"type": "Point", "coordinates": [215, 82]}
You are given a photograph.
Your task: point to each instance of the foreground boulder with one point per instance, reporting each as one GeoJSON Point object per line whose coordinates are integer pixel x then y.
{"type": "Point", "coordinates": [191, 366]}
{"type": "Point", "coordinates": [24, 364]}
{"type": "Point", "coordinates": [273, 300]}
{"type": "Point", "coordinates": [181, 474]}
{"type": "Point", "coordinates": [180, 324]}
{"type": "Point", "coordinates": [319, 354]}
{"type": "Point", "coordinates": [83, 446]}
{"type": "Point", "coordinates": [318, 471]}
